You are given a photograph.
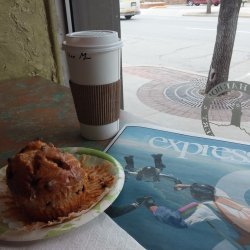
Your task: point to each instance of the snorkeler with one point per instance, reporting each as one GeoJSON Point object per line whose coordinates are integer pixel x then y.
{"type": "Point", "coordinates": [168, 216]}
{"type": "Point", "coordinates": [148, 173]}
{"type": "Point", "coordinates": [200, 192]}
{"type": "Point", "coordinates": [214, 206]}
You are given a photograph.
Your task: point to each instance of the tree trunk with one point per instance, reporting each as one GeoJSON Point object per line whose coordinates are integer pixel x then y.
{"type": "Point", "coordinates": [223, 49]}
{"type": "Point", "coordinates": [209, 4]}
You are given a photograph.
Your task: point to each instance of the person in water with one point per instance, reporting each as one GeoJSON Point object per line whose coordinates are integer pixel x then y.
{"type": "Point", "coordinates": [230, 219]}
{"type": "Point", "coordinates": [161, 213]}
{"type": "Point", "coordinates": [169, 216]}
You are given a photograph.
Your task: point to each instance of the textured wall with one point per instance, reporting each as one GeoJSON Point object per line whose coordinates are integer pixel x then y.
{"type": "Point", "coordinates": [25, 48]}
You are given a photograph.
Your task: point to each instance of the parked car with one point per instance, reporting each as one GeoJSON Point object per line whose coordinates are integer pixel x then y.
{"type": "Point", "coordinates": [129, 8]}
{"type": "Point", "coordinates": [198, 2]}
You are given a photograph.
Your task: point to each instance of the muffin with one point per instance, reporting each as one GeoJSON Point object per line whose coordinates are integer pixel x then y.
{"type": "Point", "coordinates": [45, 183]}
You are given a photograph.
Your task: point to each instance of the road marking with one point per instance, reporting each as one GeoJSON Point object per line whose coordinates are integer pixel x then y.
{"type": "Point", "coordinates": [238, 31]}
{"type": "Point", "coordinates": [243, 31]}
{"type": "Point", "coordinates": [200, 29]}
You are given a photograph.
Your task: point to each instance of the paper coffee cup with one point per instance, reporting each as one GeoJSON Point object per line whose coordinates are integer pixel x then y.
{"type": "Point", "coordinates": [94, 59]}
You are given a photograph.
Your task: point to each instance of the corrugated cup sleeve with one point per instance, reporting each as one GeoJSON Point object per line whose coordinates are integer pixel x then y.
{"type": "Point", "coordinates": [97, 104]}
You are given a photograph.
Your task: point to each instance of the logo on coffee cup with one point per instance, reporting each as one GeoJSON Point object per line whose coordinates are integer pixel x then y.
{"type": "Point", "coordinates": [226, 107]}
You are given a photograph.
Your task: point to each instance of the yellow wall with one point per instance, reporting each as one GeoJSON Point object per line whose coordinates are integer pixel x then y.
{"type": "Point", "coordinates": [25, 43]}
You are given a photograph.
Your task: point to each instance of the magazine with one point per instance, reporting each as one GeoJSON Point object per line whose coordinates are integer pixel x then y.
{"type": "Point", "coordinates": [182, 191]}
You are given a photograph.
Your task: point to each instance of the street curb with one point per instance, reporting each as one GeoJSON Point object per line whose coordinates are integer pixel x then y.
{"type": "Point", "coordinates": [212, 14]}
{"type": "Point", "coordinates": [154, 5]}
{"type": "Point", "coordinates": [170, 68]}
{"type": "Point", "coordinates": [149, 5]}
{"type": "Point", "coordinates": [201, 14]}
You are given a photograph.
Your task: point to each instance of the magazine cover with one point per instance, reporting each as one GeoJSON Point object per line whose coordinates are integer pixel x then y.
{"type": "Point", "coordinates": [182, 191]}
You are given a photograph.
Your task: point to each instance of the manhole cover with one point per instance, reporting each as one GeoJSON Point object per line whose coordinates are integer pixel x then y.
{"type": "Point", "coordinates": [185, 99]}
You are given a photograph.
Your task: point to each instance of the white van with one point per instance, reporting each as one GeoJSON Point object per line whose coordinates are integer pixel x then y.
{"type": "Point", "coordinates": [129, 8]}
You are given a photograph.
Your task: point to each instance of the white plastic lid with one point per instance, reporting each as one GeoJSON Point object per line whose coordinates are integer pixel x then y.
{"type": "Point", "coordinates": [93, 39]}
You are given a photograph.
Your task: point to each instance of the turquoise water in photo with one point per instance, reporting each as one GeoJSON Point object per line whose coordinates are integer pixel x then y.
{"type": "Point", "coordinates": [197, 165]}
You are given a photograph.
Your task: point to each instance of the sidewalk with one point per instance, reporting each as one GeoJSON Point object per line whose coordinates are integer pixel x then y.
{"type": "Point", "coordinates": [172, 98]}
{"type": "Point", "coordinates": [244, 12]}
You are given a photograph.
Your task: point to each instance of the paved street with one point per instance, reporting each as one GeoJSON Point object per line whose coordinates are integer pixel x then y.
{"type": "Point", "coordinates": [173, 37]}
